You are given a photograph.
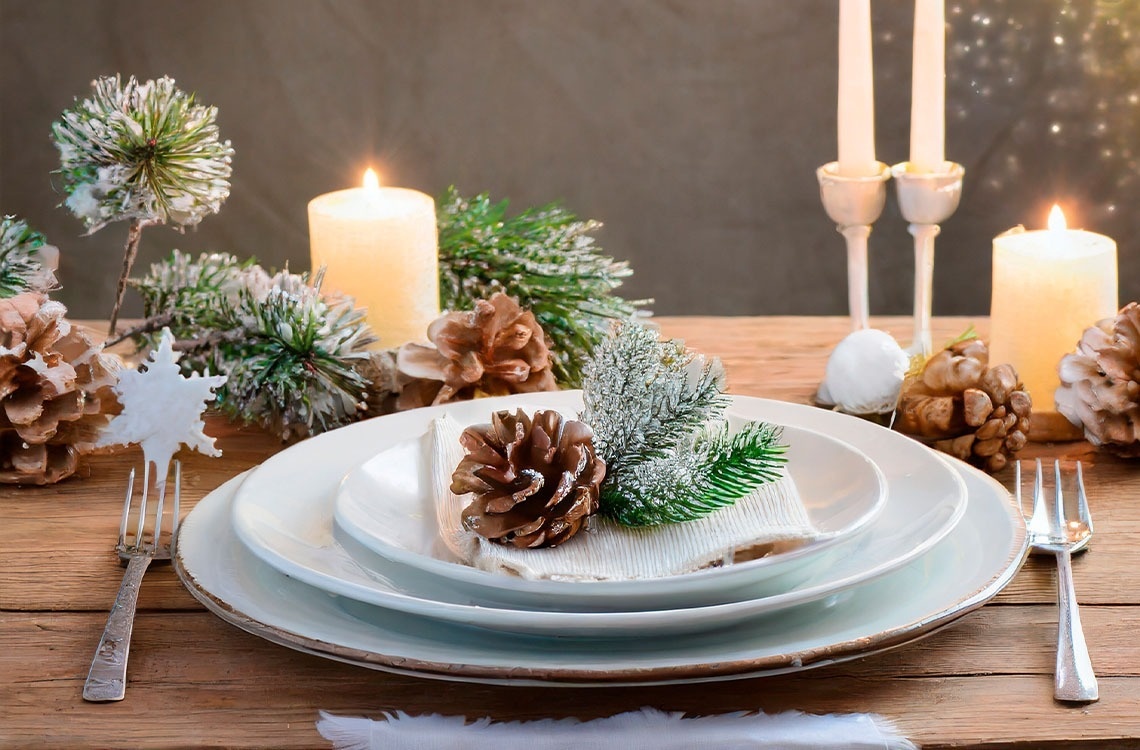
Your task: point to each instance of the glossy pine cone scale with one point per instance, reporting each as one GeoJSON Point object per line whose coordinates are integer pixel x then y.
{"type": "Point", "coordinates": [534, 482]}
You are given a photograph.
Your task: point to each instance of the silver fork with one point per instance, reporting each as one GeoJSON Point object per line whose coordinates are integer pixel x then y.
{"type": "Point", "coordinates": [107, 680]}
{"type": "Point", "coordinates": [1053, 531]}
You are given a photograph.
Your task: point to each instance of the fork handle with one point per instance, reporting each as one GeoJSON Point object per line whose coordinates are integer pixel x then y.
{"type": "Point", "coordinates": [107, 680]}
{"type": "Point", "coordinates": [1073, 677]}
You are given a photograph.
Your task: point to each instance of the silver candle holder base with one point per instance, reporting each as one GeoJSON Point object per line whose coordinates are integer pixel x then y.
{"type": "Point", "coordinates": [854, 204]}
{"type": "Point", "coordinates": [926, 199]}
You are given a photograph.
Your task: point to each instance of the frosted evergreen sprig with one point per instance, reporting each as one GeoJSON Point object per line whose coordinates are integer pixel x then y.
{"type": "Point", "coordinates": [657, 412]}
{"type": "Point", "coordinates": [144, 152]}
{"type": "Point", "coordinates": [718, 469]}
{"type": "Point", "coordinates": [291, 369]}
{"type": "Point", "coordinates": [546, 258]}
{"type": "Point", "coordinates": [290, 353]}
{"type": "Point", "coordinates": [191, 297]}
{"type": "Point", "coordinates": [644, 395]}
{"type": "Point", "coordinates": [27, 262]}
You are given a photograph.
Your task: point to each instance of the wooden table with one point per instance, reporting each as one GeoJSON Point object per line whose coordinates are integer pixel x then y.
{"type": "Point", "coordinates": [196, 681]}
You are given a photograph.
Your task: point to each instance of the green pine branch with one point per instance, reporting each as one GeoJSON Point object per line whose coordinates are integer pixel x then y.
{"type": "Point", "coordinates": [544, 257]}
{"type": "Point", "coordinates": [657, 412]}
{"type": "Point", "coordinates": [23, 265]}
{"type": "Point", "coordinates": [718, 470]}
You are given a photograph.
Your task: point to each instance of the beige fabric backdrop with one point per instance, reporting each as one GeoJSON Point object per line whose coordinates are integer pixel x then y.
{"type": "Point", "coordinates": [692, 128]}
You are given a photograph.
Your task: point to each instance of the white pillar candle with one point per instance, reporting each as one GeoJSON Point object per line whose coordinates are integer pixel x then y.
{"type": "Point", "coordinates": [380, 245]}
{"type": "Point", "coordinates": [1048, 287]}
{"type": "Point", "coordinates": [928, 87]}
{"type": "Point", "coordinates": [856, 112]}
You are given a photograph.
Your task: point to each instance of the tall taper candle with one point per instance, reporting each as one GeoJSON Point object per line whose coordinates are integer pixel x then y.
{"type": "Point", "coordinates": [928, 87]}
{"type": "Point", "coordinates": [856, 115]}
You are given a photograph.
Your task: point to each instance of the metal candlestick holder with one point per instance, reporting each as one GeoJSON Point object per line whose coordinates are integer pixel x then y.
{"type": "Point", "coordinates": [854, 203]}
{"type": "Point", "coordinates": [926, 199]}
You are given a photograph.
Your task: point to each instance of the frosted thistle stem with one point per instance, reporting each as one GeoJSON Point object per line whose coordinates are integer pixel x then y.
{"type": "Point", "coordinates": [134, 234]}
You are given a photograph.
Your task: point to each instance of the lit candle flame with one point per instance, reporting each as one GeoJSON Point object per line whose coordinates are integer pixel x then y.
{"type": "Point", "coordinates": [1057, 218]}
{"type": "Point", "coordinates": [371, 181]}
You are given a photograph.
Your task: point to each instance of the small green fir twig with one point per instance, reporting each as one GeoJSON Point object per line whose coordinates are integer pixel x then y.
{"type": "Point", "coordinates": [657, 412]}
{"type": "Point", "coordinates": [27, 262]}
{"type": "Point", "coordinates": [290, 353]}
{"type": "Point", "coordinates": [546, 258]}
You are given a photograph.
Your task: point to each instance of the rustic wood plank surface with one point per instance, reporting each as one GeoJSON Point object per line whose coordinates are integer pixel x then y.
{"type": "Point", "coordinates": [196, 681]}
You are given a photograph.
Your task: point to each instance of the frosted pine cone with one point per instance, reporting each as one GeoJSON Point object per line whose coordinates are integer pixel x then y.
{"type": "Point", "coordinates": [495, 350]}
{"type": "Point", "coordinates": [55, 391]}
{"type": "Point", "coordinates": [966, 408]}
{"type": "Point", "coordinates": [535, 481]}
{"type": "Point", "coordinates": [1099, 383]}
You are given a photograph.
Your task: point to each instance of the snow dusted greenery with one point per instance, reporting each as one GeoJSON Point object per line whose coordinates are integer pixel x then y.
{"type": "Point", "coordinates": [141, 151]}
{"type": "Point", "coordinates": [657, 411]}
{"type": "Point", "coordinates": [290, 353]}
{"type": "Point", "coordinates": [27, 262]}
{"type": "Point", "coordinates": [546, 258]}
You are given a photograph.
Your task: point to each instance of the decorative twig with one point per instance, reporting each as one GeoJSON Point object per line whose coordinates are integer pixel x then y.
{"type": "Point", "coordinates": [134, 234]}
{"type": "Point", "coordinates": [150, 325]}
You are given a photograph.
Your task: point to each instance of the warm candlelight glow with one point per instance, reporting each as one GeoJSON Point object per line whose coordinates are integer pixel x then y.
{"type": "Point", "coordinates": [1057, 219]}
{"type": "Point", "coordinates": [371, 181]}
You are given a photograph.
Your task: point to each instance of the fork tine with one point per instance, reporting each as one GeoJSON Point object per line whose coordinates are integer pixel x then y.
{"type": "Point", "coordinates": [126, 508]}
{"type": "Point", "coordinates": [158, 511]}
{"type": "Point", "coordinates": [1017, 486]}
{"type": "Point", "coordinates": [1059, 498]}
{"type": "Point", "coordinates": [142, 505]}
{"type": "Point", "coordinates": [1082, 500]}
{"type": "Point", "coordinates": [177, 498]}
{"type": "Point", "coordinates": [1038, 494]}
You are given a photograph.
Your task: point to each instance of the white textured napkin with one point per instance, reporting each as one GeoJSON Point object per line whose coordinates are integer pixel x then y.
{"type": "Point", "coordinates": [773, 513]}
{"type": "Point", "coordinates": [647, 729]}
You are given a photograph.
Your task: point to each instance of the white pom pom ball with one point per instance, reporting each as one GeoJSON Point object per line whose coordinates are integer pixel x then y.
{"type": "Point", "coordinates": [864, 373]}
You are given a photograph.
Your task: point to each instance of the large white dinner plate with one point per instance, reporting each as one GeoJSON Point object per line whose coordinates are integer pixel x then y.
{"type": "Point", "coordinates": [387, 506]}
{"type": "Point", "coordinates": [975, 561]}
{"type": "Point", "coordinates": [283, 513]}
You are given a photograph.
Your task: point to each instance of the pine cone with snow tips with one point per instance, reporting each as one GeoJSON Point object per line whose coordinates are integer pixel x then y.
{"type": "Point", "coordinates": [55, 391]}
{"type": "Point", "coordinates": [534, 481]}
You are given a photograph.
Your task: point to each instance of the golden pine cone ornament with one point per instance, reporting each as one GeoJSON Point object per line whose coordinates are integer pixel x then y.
{"type": "Point", "coordinates": [964, 407]}
{"type": "Point", "coordinates": [1100, 383]}
{"type": "Point", "coordinates": [535, 480]}
{"type": "Point", "coordinates": [495, 350]}
{"type": "Point", "coordinates": [55, 391]}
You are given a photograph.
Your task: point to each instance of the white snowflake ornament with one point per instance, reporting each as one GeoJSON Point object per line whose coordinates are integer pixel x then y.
{"type": "Point", "coordinates": [162, 409]}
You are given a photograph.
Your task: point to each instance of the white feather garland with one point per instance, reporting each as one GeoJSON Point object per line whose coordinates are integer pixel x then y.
{"type": "Point", "coordinates": [646, 729]}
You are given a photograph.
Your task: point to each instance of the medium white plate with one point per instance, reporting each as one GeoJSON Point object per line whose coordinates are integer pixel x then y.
{"type": "Point", "coordinates": [283, 513]}
{"type": "Point", "coordinates": [961, 573]}
{"type": "Point", "coordinates": [387, 506]}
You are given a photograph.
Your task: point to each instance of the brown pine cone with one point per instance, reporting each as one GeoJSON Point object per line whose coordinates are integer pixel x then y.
{"type": "Point", "coordinates": [55, 391]}
{"type": "Point", "coordinates": [1100, 383]}
{"type": "Point", "coordinates": [535, 481]}
{"type": "Point", "coordinates": [966, 408]}
{"type": "Point", "coordinates": [495, 350]}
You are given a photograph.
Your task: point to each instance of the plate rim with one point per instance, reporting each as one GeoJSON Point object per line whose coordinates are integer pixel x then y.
{"type": "Point", "coordinates": [665, 674]}
{"type": "Point", "coordinates": [513, 617]}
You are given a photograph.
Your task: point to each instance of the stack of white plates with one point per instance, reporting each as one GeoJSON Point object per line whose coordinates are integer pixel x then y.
{"type": "Point", "coordinates": [331, 547]}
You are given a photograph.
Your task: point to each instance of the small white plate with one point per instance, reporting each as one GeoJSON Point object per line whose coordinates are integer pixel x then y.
{"type": "Point", "coordinates": [961, 573]}
{"type": "Point", "coordinates": [283, 513]}
{"type": "Point", "coordinates": [387, 506]}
